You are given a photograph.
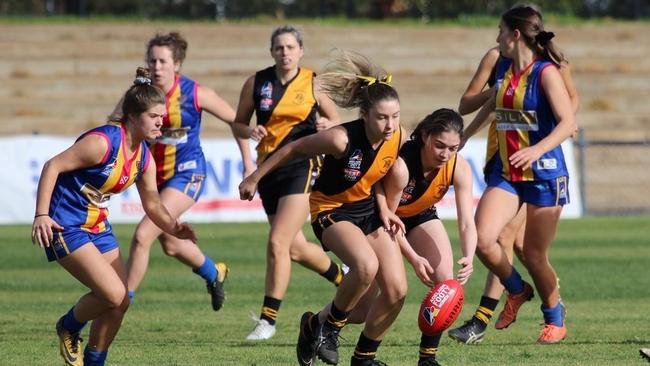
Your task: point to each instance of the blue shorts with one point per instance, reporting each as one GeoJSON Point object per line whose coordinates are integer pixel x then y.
{"type": "Point", "coordinates": [190, 183]}
{"type": "Point", "coordinates": [69, 240]}
{"type": "Point", "coordinates": [542, 193]}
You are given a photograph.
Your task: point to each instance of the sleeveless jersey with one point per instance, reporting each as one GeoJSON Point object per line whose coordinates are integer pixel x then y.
{"type": "Point", "coordinates": [523, 118]}
{"type": "Point", "coordinates": [350, 179]}
{"type": "Point", "coordinates": [179, 147]}
{"type": "Point", "coordinates": [502, 65]}
{"type": "Point", "coordinates": [288, 112]}
{"type": "Point", "coordinates": [422, 192]}
{"type": "Point", "coordinates": [80, 198]}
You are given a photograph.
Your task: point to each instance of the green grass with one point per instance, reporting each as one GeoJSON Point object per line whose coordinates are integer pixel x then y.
{"type": "Point", "coordinates": [602, 263]}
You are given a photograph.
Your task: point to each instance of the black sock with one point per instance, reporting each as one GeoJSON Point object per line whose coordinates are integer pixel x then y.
{"type": "Point", "coordinates": [270, 309]}
{"type": "Point", "coordinates": [366, 348]}
{"type": "Point", "coordinates": [334, 274]}
{"type": "Point", "coordinates": [429, 346]}
{"type": "Point", "coordinates": [485, 310]}
{"type": "Point", "coordinates": [337, 318]}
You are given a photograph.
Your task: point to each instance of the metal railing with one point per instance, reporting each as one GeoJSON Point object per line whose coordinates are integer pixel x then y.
{"type": "Point", "coordinates": [614, 176]}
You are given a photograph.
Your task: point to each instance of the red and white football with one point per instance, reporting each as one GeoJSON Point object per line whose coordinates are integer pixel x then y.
{"type": "Point", "coordinates": [440, 307]}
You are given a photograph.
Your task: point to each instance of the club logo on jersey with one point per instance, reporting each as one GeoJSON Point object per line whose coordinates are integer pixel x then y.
{"type": "Point", "coordinates": [108, 168]}
{"type": "Point", "coordinates": [267, 90]}
{"type": "Point", "coordinates": [353, 170]}
{"type": "Point", "coordinates": [407, 193]}
{"type": "Point", "coordinates": [299, 98]}
{"type": "Point", "coordinates": [388, 162]}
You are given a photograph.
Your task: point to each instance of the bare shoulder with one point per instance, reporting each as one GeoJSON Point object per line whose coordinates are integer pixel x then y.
{"type": "Point", "coordinates": [463, 171]}
{"type": "Point", "coordinates": [492, 54]}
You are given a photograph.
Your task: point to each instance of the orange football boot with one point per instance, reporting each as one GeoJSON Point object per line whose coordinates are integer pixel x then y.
{"type": "Point", "coordinates": [551, 334]}
{"type": "Point", "coordinates": [513, 303]}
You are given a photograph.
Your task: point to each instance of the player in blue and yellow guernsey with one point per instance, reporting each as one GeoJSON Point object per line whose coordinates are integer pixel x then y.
{"type": "Point", "coordinates": [181, 165]}
{"type": "Point", "coordinates": [287, 105]}
{"type": "Point", "coordinates": [533, 117]}
{"type": "Point", "coordinates": [344, 213]}
{"type": "Point", "coordinates": [511, 238]}
{"type": "Point", "coordinates": [72, 210]}
{"type": "Point", "coordinates": [428, 166]}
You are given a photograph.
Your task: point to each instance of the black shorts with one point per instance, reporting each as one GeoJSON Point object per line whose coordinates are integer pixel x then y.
{"type": "Point", "coordinates": [363, 214]}
{"type": "Point", "coordinates": [296, 178]}
{"type": "Point", "coordinates": [427, 215]}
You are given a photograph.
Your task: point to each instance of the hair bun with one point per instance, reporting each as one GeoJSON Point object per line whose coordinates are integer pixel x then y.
{"type": "Point", "coordinates": [543, 37]}
{"type": "Point", "coordinates": [142, 80]}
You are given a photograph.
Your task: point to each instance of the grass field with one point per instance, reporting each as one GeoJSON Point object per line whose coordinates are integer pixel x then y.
{"type": "Point", "coordinates": [602, 262]}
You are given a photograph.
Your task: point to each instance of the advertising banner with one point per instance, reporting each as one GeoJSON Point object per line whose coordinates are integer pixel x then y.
{"type": "Point", "coordinates": [23, 158]}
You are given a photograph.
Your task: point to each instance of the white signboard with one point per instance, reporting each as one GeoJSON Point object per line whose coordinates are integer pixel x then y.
{"type": "Point", "coordinates": [23, 157]}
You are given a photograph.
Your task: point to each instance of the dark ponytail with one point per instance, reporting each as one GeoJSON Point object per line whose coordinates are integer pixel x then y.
{"type": "Point", "coordinates": [528, 21]}
{"type": "Point", "coordinates": [441, 120]}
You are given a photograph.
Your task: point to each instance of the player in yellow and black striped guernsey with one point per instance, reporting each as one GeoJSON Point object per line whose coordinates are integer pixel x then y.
{"type": "Point", "coordinates": [343, 211]}
{"type": "Point", "coordinates": [428, 166]}
{"type": "Point", "coordinates": [287, 106]}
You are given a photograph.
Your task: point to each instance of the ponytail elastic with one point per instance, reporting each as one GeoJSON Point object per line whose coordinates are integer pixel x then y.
{"type": "Point", "coordinates": [141, 80]}
{"type": "Point", "coordinates": [543, 38]}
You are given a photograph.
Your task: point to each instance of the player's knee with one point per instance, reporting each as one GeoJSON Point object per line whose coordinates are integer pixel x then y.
{"type": "Point", "coordinates": [535, 258]}
{"type": "Point", "coordinates": [141, 240]}
{"type": "Point", "coordinates": [171, 248]}
{"type": "Point", "coordinates": [367, 270]}
{"type": "Point", "coordinates": [278, 248]}
{"type": "Point", "coordinates": [117, 298]}
{"type": "Point", "coordinates": [484, 244]}
{"type": "Point", "coordinates": [396, 292]}
{"type": "Point", "coordinates": [296, 251]}
{"type": "Point", "coordinates": [506, 238]}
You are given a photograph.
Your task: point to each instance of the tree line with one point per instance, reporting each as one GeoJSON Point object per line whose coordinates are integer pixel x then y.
{"type": "Point", "coordinates": [353, 9]}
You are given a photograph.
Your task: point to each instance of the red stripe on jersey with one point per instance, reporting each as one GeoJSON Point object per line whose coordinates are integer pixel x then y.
{"type": "Point", "coordinates": [512, 137]}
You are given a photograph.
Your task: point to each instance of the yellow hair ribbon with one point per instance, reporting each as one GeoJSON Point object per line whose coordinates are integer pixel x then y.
{"type": "Point", "coordinates": [371, 80]}
{"type": "Point", "coordinates": [387, 79]}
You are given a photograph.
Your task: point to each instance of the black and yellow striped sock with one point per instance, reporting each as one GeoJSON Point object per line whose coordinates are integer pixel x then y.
{"type": "Point", "coordinates": [337, 318]}
{"type": "Point", "coordinates": [366, 348]}
{"type": "Point", "coordinates": [334, 274]}
{"type": "Point", "coordinates": [485, 310]}
{"type": "Point", "coordinates": [429, 346]}
{"type": "Point", "coordinates": [270, 309]}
